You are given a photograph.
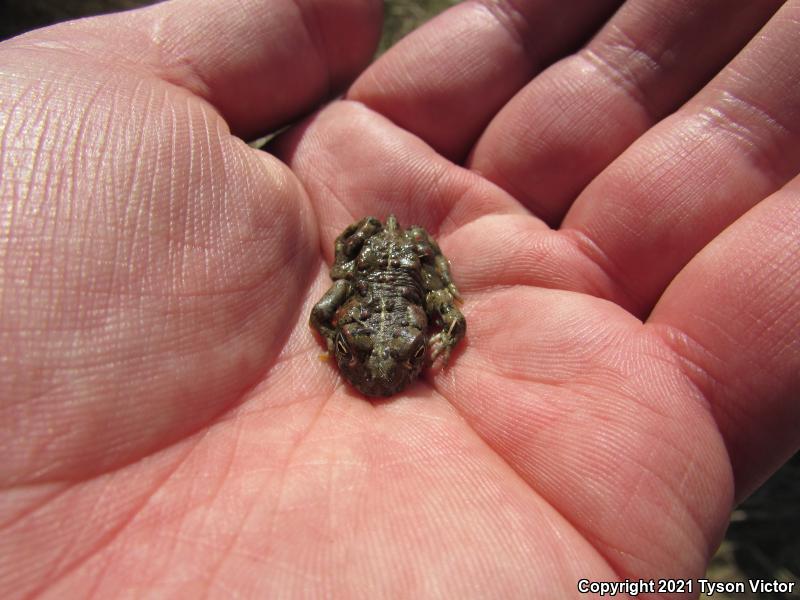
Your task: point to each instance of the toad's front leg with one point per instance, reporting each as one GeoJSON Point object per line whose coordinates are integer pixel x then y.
{"type": "Point", "coordinates": [440, 304]}
{"type": "Point", "coordinates": [323, 312]}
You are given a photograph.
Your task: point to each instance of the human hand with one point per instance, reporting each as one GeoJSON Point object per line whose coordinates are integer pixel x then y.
{"type": "Point", "coordinates": [169, 429]}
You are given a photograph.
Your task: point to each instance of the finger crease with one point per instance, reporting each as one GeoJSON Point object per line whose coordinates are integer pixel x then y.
{"type": "Point", "coordinates": [616, 290]}
{"type": "Point", "coordinates": [515, 23]}
{"type": "Point", "coordinates": [311, 24]}
{"type": "Point", "coordinates": [759, 131]}
{"type": "Point", "coordinates": [627, 75]}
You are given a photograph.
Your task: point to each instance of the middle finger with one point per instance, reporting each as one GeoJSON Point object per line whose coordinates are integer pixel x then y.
{"type": "Point", "coordinates": [696, 172]}
{"type": "Point", "coordinates": [569, 123]}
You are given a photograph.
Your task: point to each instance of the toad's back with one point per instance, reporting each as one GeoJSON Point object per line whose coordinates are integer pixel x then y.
{"type": "Point", "coordinates": [388, 267]}
{"type": "Point", "coordinates": [388, 284]}
{"type": "Point", "coordinates": [385, 318]}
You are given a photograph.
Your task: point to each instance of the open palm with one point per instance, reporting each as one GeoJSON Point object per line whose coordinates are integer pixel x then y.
{"type": "Point", "coordinates": [630, 290]}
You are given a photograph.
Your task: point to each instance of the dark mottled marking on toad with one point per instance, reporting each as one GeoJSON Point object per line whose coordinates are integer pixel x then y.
{"type": "Point", "coordinates": [391, 288]}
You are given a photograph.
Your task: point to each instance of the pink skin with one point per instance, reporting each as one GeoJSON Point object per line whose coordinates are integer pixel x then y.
{"type": "Point", "coordinates": [167, 429]}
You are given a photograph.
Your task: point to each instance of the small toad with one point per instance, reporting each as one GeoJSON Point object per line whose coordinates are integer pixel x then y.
{"type": "Point", "coordinates": [390, 286]}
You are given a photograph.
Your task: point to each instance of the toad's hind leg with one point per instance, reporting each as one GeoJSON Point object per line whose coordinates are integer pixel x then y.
{"type": "Point", "coordinates": [323, 312]}
{"type": "Point", "coordinates": [434, 262]}
{"type": "Point", "coordinates": [440, 304]}
{"type": "Point", "coordinates": [441, 295]}
{"type": "Point", "coordinates": [349, 244]}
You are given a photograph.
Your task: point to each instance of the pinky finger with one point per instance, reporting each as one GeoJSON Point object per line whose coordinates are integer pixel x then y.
{"type": "Point", "coordinates": [732, 317]}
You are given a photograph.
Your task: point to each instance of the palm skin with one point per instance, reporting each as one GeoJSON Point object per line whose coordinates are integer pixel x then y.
{"type": "Point", "coordinates": [168, 428]}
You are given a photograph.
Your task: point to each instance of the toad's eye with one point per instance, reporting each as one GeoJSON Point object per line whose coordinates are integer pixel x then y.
{"type": "Point", "coordinates": [341, 345]}
{"type": "Point", "coordinates": [420, 351]}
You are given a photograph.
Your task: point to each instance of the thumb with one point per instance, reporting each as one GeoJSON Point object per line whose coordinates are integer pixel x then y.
{"type": "Point", "coordinates": [144, 244]}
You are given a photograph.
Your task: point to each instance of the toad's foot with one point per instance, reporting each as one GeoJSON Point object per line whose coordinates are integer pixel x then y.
{"type": "Point", "coordinates": [443, 342]}
{"type": "Point", "coordinates": [441, 307]}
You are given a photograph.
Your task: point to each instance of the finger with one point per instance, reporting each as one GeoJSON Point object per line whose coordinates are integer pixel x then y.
{"type": "Point", "coordinates": [259, 63]}
{"type": "Point", "coordinates": [491, 239]}
{"type": "Point", "coordinates": [517, 249]}
{"type": "Point", "coordinates": [446, 80]}
{"type": "Point", "coordinates": [141, 248]}
{"type": "Point", "coordinates": [676, 188]}
{"type": "Point", "coordinates": [732, 317]}
{"type": "Point", "coordinates": [571, 121]}
{"type": "Point", "coordinates": [388, 170]}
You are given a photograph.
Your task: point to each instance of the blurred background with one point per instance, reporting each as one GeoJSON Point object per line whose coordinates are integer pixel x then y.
{"type": "Point", "coordinates": [763, 539]}
{"type": "Point", "coordinates": [18, 16]}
